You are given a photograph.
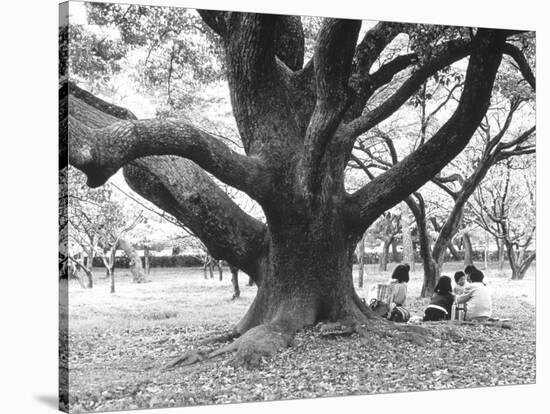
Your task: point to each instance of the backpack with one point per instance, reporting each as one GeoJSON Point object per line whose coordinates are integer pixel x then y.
{"type": "Point", "coordinates": [399, 314]}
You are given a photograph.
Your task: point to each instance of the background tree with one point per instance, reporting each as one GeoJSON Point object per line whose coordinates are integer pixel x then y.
{"type": "Point", "coordinates": [482, 153]}
{"type": "Point", "coordinates": [298, 124]}
{"type": "Point", "coordinates": [506, 208]}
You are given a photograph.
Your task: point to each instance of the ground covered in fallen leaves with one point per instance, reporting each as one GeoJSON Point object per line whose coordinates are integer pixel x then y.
{"type": "Point", "coordinates": [119, 345]}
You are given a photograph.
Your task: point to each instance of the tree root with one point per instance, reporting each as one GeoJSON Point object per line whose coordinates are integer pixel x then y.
{"type": "Point", "coordinates": [257, 343]}
{"type": "Point", "coordinates": [213, 339]}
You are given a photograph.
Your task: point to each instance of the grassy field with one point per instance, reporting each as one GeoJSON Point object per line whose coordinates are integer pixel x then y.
{"type": "Point", "coordinates": [118, 344]}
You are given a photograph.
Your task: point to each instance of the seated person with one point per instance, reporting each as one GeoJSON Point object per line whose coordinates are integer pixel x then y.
{"type": "Point", "coordinates": [461, 285]}
{"type": "Point", "coordinates": [398, 285]}
{"type": "Point", "coordinates": [468, 270]}
{"type": "Point", "coordinates": [477, 298]}
{"type": "Point", "coordinates": [441, 302]}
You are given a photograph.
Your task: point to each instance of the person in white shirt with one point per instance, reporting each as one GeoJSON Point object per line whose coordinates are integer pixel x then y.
{"type": "Point", "coordinates": [477, 298]}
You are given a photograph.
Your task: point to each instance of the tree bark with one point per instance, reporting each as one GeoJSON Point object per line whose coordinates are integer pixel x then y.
{"type": "Point", "coordinates": [138, 276]}
{"type": "Point", "coordinates": [146, 254]}
{"type": "Point", "coordinates": [454, 253]}
{"type": "Point", "coordinates": [361, 259]}
{"type": "Point", "coordinates": [235, 281]}
{"type": "Point", "coordinates": [430, 267]}
{"type": "Point", "coordinates": [383, 262]}
{"type": "Point", "coordinates": [88, 267]}
{"type": "Point", "coordinates": [408, 246]}
{"type": "Point", "coordinates": [468, 250]}
{"type": "Point", "coordinates": [501, 253]}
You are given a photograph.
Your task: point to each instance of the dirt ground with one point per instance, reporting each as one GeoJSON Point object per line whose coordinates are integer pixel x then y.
{"type": "Point", "coordinates": [120, 343]}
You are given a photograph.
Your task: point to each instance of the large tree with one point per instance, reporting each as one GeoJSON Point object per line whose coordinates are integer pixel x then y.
{"type": "Point", "coordinates": [298, 124]}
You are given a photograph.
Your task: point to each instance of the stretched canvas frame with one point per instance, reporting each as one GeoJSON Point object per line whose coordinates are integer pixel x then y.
{"type": "Point", "coordinates": [106, 398]}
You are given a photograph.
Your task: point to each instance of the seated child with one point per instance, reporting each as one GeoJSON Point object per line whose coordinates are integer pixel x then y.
{"type": "Point", "coordinates": [441, 301]}
{"type": "Point", "coordinates": [398, 285]}
{"type": "Point", "coordinates": [477, 298]}
{"type": "Point", "coordinates": [461, 285]}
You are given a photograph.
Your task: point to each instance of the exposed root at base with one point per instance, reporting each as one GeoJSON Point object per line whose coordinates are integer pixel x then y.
{"type": "Point", "coordinates": [378, 326]}
{"type": "Point", "coordinates": [259, 342]}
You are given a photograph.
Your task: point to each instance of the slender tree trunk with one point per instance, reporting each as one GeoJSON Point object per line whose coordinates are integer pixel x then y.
{"type": "Point", "coordinates": [206, 262]}
{"type": "Point", "coordinates": [394, 252]}
{"type": "Point", "coordinates": [468, 250]}
{"type": "Point", "coordinates": [501, 257]}
{"type": "Point", "coordinates": [89, 267]}
{"type": "Point", "coordinates": [361, 259]}
{"type": "Point", "coordinates": [135, 261]}
{"type": "Point", "coordinates": [383, 262]}
{"type": "Point", "coordinates": [486, 253]}
{"type": "Point", "coordinates": [408, 246]}
{"type": "Point", "coordinates": [235, 281]}
{"type": "Point", "coordinates": [146, 254]}
{"type": "Point", "coordinates": [431, 273]}
{"type": "Point", "coordinates": [220, 271]}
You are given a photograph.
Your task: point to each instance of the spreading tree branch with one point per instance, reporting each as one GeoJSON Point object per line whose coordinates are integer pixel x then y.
{"type": "Point", "coordinates": [332, 62]}
{"type": "Point", "coordinates": [185, 191]}
{"type": "Point", "coordinates": [424, 163]}
{"type": "Point", "coordinates": [445, 55]}
{"type": "Point", "coordinates": [100, 148]}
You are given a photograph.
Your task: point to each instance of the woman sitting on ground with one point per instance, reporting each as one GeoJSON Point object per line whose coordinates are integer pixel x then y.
{"type": "Point", "coordinates": [477, 298]}
{"type": "Point", "coordinates": [441, 302]}
{"type": "Point", "coordinates": [398, 285]}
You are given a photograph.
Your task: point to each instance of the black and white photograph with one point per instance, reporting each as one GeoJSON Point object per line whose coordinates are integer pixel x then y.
{"type": "Point", "coordinates": [262, 207]}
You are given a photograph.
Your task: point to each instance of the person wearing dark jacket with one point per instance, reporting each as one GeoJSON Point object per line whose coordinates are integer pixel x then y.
{"type": "Point", "coordinates": [441, 301]}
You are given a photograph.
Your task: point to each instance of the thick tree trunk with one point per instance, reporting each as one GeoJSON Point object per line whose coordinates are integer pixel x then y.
{"type": "Point", "coordinates": [361, 260]}
{"type": "Point", "coordinates": [309, 278]}
{"type": "Point", "coordinates": [135, 261]}
{"type": "Point", "coordinates": [235, 281]}
{"type": "Point", "coordinates": [468, 250]}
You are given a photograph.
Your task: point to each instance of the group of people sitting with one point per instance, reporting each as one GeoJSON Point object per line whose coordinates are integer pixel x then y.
{"type": "Point", "coordinates": [470, 294]}
{"type": "Point", "coordinates": [470, 291]}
